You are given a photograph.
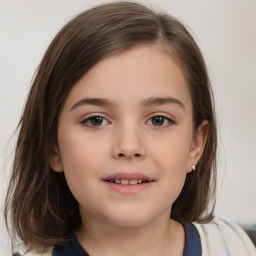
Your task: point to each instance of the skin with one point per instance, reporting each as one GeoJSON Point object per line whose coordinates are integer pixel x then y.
{"type": "Point", "coordinates": [128, 139]}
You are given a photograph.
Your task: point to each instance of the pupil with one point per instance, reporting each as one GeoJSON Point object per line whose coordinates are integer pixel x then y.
{"type": "Point", "coordinates": [96, 121]}
{"type": "Point", "coordinates": [158, 120]}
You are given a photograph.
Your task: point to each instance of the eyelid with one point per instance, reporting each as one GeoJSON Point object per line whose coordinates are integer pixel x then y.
{"type": "Point", "coordinates": [88, 117]}
{"type": "Point", "coordinates": [85, 119]}
{"type": "Point", "coordinates": [166, 115]}
{"type": "Point", "coordinates": [170, 120]}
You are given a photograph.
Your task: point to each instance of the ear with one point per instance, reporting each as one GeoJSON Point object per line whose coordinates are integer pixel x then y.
{"type": "Point", "coordinates": [197, 145]}
{"type": "Point", "coordinates": [55, 160]}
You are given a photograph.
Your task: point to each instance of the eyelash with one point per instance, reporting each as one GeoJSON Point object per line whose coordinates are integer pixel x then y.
{"type": "Point", "coordinates": [89, 119]}
{"type": "Point", "coordinates": [169, 121]}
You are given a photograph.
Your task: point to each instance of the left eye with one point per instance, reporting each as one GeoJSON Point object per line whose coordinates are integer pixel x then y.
{"type": "Point", "coordinates": [94, 121]}
{"type": "Point", "coordinates": [161, 121]}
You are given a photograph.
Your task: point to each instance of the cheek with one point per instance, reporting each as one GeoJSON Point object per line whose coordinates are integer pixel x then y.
{"type": "Point", "coordinates": [171, 158]}
{"type": "Point", "coordinates": [78, 157]}
{"type": "Point", "coordinates": [171, 154]}
{"type": "Point", "coordinates": [80, 151]}
{"type": "Point", "coordinates": [82, 160]}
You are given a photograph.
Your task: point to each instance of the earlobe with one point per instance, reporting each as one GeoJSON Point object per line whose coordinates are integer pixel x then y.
{"type": "Point", "coordinates": [198, 144]}
{"type": "Point", "coordinates": [55, 161]}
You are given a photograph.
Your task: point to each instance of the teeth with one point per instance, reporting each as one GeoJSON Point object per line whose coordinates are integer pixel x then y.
{"type": "Point", "coordinates": [133, 182]}
{"type": "Point", "coordinates": [126, 182]}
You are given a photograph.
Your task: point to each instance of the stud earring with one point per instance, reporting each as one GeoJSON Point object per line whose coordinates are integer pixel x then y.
{"type": "Point", "coordinates": [193, 167]}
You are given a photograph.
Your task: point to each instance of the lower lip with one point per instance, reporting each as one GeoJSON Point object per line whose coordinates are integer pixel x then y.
{"type": "Point", "coordinates": [128, 189]}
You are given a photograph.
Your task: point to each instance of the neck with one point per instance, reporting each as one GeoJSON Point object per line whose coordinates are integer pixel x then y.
{"type": "Point", "coordinates": [159, 237]}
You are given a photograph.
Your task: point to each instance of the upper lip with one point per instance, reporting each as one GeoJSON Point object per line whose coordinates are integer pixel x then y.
{"type": "Point", "coordinates": [128, 176]}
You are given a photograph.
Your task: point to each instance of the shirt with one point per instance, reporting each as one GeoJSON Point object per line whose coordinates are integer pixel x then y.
{"type": "Point", "coordinates": [73, 248]}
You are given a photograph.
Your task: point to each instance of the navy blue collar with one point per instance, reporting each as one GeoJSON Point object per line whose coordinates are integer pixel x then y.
{"type": "Point", "coordinates": [192, 241]}
{"type": "Point", "coordinates": [71, 246]}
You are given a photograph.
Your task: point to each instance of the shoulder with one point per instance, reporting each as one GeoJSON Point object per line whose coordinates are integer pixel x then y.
{"type": "Point", "coordinates": [223, 237]}
{"type": "Point", "coordinates": [47, 252]}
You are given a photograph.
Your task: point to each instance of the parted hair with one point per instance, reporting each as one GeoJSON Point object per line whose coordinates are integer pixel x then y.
{"type": "Point", "coordinates": [39, 206]}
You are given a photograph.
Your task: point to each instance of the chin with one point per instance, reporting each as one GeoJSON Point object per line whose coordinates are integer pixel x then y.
{"type": "Point", "coordinates": [130, 219]}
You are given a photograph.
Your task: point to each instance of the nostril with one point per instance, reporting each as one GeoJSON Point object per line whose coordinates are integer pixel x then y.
{"type": "Point", "coordinates": [123, 155]}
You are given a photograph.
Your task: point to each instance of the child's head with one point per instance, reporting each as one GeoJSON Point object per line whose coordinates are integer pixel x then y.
{"type": "Point", "coordinates": [43, 208]}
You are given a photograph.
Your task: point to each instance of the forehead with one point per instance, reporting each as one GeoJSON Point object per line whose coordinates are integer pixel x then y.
{"type": "Point", "coordinates": [133, 75]}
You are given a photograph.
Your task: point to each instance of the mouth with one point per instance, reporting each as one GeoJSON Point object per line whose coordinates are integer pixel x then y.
{"type": "Point", "coordinates": [128, 183]}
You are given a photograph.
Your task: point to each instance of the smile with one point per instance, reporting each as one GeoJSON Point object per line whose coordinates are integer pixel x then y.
{"type": "Point", "coordinates": [128, 183]}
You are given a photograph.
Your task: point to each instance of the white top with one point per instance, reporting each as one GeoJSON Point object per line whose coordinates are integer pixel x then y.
{"type": "Point", "coordinates": [221, 237]}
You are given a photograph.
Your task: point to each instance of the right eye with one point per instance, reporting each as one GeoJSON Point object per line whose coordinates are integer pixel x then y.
{"type": "Point", "coordinates": [94, 121]}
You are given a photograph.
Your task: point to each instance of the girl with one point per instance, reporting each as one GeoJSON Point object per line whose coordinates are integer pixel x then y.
{"type": "Point", "coordinates": [116, 153]}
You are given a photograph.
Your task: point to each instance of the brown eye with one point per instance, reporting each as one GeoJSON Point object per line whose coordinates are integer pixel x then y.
{"type": "Point", "coordinates": [160, 121]}
{"type": "Point", "coordinates": [94, 121]}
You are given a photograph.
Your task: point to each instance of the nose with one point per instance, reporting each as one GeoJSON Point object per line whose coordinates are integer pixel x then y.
{"type": "Point", "coordinates": [128, 144]}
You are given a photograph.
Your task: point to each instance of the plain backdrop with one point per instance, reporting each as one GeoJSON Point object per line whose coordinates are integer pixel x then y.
{"type": "Point", "coordinates": [226, 33]}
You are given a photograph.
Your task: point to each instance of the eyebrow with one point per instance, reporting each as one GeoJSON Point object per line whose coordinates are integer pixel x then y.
{"type": "Point", "coordinates": [151, 101]}
{"type": "Point", "coordinates": [156, 101]}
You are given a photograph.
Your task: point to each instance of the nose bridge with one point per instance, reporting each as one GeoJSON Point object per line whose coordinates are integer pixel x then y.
{"type": "Point", "coordinates": [129, 140]}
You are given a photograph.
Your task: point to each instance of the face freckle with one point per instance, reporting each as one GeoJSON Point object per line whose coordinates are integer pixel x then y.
{"type": "Point", "coordinates": [128, 118]}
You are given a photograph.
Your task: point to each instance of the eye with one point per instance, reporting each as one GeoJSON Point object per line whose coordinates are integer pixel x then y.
{"type": "Point", "coordinates": [160, 121]}
{"type": "Point", "coordinates": [95, 121]}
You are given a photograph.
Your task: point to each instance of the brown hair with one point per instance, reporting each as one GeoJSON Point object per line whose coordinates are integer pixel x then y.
{"type": "Point", "coordinates": [41, 205]}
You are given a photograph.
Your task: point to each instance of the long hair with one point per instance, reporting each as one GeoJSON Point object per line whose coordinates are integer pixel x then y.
{"type": "Point", "coordinates": [39, 201]}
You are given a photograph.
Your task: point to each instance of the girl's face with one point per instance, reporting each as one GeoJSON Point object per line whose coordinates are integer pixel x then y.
{"type": "Point", "coordinates": [126, 140]}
